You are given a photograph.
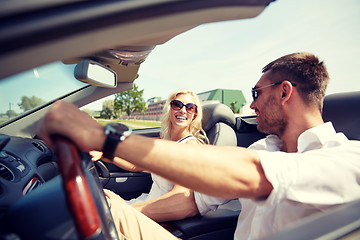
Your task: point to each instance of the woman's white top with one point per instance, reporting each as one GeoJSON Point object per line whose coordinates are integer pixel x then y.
{"type": "Point", "coordinates": [160, 185]}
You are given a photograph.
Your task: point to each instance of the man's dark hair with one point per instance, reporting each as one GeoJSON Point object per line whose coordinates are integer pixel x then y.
{"type": "Point", "coordinates": [304, 69]}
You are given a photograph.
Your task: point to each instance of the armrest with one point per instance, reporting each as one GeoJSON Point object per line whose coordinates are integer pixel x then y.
{"type": "Point", "coordinates": [221, 222]}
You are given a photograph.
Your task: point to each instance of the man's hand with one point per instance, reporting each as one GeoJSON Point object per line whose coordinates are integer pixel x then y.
{"type": "Point", "coordinates": [67, 120]}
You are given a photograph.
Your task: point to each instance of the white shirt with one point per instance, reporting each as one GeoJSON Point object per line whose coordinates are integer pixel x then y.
{"type": "Point", "coordinates": [321, 175]}
{"type": "Point", "coordinates": [160, 185]}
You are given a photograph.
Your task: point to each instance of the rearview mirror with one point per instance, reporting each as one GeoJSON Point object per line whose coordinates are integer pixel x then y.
{"type": "Point", "coordinates": [94, 73]}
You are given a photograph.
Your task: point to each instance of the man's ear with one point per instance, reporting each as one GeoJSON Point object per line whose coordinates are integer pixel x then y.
{"type": "Point", "coordinates": [286, 91]}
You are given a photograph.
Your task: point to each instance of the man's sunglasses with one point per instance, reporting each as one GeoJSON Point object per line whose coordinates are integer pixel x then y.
{"type": "Point", "coordinates": [255, 92]}
{"type": "Point", "coordinates": [178, 105]}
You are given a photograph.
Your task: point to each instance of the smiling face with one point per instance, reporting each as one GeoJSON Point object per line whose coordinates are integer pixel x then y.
{"type": "Point", "coordinates": [270, 116]}
{"type": "Point", "coordinates": [181, 119]}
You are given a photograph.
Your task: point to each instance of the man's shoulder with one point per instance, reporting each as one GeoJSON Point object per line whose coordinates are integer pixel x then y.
{"type": "Point", "coordinates": [270, 142]}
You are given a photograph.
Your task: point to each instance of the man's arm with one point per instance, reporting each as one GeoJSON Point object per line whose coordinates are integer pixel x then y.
{"type": "Point", "coordinates": [228, 172]}
{"type": "Point", "coordinates": [177, 204]}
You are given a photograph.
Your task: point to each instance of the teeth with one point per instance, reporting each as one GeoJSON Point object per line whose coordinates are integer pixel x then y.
{"type": "Point", "coordinates": [181, 118]}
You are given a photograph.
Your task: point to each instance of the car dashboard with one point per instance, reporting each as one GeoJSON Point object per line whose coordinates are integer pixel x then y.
{"type": "Point", "coordinates": [25, 164]}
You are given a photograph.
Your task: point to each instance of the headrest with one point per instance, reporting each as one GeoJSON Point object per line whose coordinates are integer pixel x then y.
{"type": "Point", "coordinates": [343, 110]}
{"type": "Point", "coordinates": [213, 113]}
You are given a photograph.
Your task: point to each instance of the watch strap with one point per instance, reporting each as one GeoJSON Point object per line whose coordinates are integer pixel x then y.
{"type": "Point", "coordinates": [115, 133]}
{"type": "Point", "coordinates": [110, 147]}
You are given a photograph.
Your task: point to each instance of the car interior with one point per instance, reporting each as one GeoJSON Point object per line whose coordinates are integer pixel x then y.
{"type": "Point", "coordinates": [222, 127]}
{"type": "Point", "coordinates": [34, 203]}
{"type": "Point", "coordinates": [30, 182]}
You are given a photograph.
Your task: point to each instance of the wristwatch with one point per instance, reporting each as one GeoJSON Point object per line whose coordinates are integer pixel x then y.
{"type": "Point", "coordinates": [115, 133]}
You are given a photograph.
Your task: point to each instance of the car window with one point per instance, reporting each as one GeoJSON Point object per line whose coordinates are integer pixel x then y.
{"type": "Point", "coordinates": [22, 92]}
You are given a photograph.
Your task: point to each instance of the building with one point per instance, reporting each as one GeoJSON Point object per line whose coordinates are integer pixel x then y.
{"type": "Point", "coordinates": [234, 99]}
{"type": "Point", "coordinates": [154, 109]}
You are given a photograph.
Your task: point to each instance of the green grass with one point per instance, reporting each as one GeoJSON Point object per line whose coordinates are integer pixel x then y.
{"type": "Point", "coordinates": [143, 123]}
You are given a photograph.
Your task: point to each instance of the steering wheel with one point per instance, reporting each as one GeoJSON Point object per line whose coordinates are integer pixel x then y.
{"type": "Point", "coordinates": [92, 220]}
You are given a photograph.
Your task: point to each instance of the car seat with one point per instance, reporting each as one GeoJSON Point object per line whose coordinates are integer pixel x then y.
{"type": "Point", "coordinates": [218, 122]}
{"type": "Point", "coordinates": [246, 131]}
{"type": "Point", "coordinates": [342, 109]}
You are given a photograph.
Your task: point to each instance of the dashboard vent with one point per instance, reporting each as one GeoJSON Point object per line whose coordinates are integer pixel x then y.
{"type": "Point", "coordinates": [5, 173]}
{"type": "Point", "coordinates": [39, 146]}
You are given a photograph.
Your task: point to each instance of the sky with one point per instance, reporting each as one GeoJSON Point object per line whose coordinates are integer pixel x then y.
{"type": "Point", "coordinates": [231, 54]}
{"type": "Point", "coordinates": [42, 82]}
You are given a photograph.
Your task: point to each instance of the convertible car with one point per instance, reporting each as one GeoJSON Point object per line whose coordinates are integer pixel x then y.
{"type": "Point", "coordinates": [51, 50]}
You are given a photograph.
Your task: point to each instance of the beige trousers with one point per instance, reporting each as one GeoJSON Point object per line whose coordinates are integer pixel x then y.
{"type": "Point", "coordinates": [133, 225]}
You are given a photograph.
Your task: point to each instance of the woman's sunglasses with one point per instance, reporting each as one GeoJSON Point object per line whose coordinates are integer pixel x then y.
{"type": "Point", "coordinates": [178, 105]}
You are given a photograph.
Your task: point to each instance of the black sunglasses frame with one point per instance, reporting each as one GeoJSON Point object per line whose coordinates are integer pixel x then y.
{"type": "Point", "coordinates": [255, 93]}
{"type": "Point", "coordinates": [178, 105]}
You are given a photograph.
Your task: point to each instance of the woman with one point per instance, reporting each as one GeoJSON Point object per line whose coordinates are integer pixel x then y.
{"type": "Point", "coordinates": [181, 122]}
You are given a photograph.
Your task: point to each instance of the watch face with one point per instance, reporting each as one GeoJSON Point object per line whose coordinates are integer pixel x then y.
{"type": "Point", "coordinates": [118, 130]}
{"type": "Point", "coordinates": [119, 127]}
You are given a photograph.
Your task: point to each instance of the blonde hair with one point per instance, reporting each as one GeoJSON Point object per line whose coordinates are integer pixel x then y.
{"type": "Point", "coordinates": [195, 127]}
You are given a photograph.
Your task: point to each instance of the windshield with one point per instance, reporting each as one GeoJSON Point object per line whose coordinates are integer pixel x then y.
{"type": "Point", "coordinates": [25, 91]}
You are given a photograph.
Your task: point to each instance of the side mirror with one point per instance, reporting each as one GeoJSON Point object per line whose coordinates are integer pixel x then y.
{"type": "Point", "coordinates": [94, 73]}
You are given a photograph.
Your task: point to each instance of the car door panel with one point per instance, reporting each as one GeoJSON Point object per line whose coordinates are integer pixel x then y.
{"type": "Point", "coordinates": [125, 183]}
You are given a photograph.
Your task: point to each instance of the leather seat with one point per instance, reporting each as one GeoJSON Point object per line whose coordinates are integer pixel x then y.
{"type": "Point", "coordinates": [218, 122]}
{"type": "Point", "coordinates": [342, 109]}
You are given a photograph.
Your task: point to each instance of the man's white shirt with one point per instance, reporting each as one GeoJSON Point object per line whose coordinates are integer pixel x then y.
{"type": "Point", "coordinates": [323, 174]}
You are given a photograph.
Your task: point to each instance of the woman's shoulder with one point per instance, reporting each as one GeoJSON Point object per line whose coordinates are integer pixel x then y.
{"type": "Point", "coordinates": [189, 139]}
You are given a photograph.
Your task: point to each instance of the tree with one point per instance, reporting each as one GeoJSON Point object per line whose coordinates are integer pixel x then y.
{"type": "Point", "coordinates": [11, 113]}
{"type": "Point", "coordinates": [130, 101]}
{"type": "Point", "coordinates": [28, 103]}
{"type": "Point", "coordinates": [87, 111]}
{"type": "Point", "coordinates": [108, 111]}
{"type": "Point", "coordinates": [233, 106]}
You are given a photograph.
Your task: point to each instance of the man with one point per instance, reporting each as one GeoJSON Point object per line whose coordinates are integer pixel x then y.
{"type": "Point", "coordinates": [301, 168]}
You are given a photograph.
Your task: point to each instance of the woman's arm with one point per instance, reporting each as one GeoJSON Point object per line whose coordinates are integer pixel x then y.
{"type": "Point", "coordinates": [177, 204]}
{"type": "Point", "coordinates": [121, 163]}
